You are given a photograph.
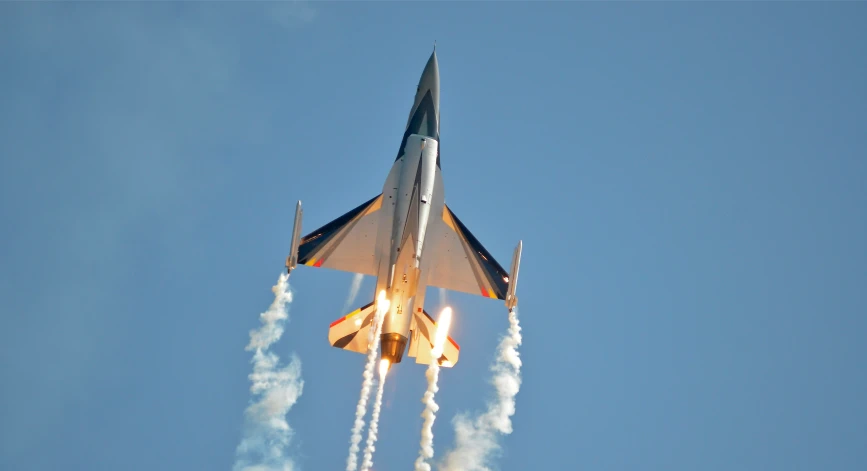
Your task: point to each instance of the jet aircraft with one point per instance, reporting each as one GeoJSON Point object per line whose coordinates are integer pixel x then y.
{"type": "Point", "coordinates": [409, 239]}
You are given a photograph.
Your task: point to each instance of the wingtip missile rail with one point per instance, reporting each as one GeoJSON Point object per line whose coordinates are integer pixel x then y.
{"type": "Point", "coordinates": [292, 259]}
{"type": "Point", "coordinates": [511, 298]}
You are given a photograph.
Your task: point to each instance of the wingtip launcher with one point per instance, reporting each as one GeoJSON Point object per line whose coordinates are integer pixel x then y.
{"type": "Point", "coordinates": [511, 298]}
{"type": "Point", "coordinates": [292, 259]}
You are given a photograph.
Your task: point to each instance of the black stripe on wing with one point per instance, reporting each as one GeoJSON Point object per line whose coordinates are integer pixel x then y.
{"type": "Point", "coordinates": [495, 274]}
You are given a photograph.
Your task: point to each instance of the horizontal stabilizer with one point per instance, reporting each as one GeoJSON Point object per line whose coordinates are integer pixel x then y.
{"type": "Point", "coordinates": [350, 331]}
{"type": "Point", "coordinates": [423, 333]}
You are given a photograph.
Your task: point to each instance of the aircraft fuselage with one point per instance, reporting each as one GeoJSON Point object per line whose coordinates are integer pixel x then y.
{"type": "Point", "coordinates": [412, 200]}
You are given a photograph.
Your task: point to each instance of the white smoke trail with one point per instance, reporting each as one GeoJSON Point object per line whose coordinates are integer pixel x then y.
{"type": "Point", "coordinates": [367, 462]}
{"type": "Point", "coordinates": [431, 407]}
{"type": "Point", "coordinates": [373, 341]}
{"type": "Point", "coordinates": [477, 439]}
{"type": "Point", "coordinates": [442, 297]}
{"type": "Point", "coordinates": [429, 416]}
{"type": "Point", "coordinates": [353, 291]}
{"type": "Point", "coordinates": [267, 434]}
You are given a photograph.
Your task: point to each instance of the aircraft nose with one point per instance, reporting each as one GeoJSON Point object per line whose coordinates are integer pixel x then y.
{"type": "Point", "coordinates": [432, 67]}
{"type": "Point", "coordinates": [430, 78]}
{"type": "Point", "coordinates": [424, 115]}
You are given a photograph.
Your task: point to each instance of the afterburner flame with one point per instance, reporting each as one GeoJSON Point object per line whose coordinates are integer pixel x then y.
{"type": "Point", "coordinates": [383, 368]}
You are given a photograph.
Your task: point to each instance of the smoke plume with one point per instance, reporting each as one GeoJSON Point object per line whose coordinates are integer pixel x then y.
{"type": "Point", "coordinates": [476, 440]}
{"type": "Point", "coordinates": [353, 291]}
{"type": "Point", "coordinates": [266, 432]}
{"type": "Point", "coordinates": [367, 462]}
{"type": "Point", "coordinates": [373, 341]}
{"type": "Point", "coordinates": [429, 416]}
{"type": "Point", "coordinates": [431, 407]}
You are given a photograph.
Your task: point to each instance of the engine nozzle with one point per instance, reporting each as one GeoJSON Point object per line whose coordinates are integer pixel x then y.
{"type": "Point", "coordinates": [392, 345]}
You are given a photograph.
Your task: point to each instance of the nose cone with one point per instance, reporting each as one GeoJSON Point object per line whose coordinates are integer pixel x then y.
{"type": "Point", "coordinates": [424, 116]}
{"type": "Point", "coordinates": [430, 80]}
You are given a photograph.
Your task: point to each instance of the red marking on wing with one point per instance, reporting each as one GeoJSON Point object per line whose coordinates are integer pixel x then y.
{"type": "Point", "coordinates": [338, 321]}
{"type": "Point", "coordinates": [319, 262]}
{"type": "Point", "coordinates": [484, 292]}
{"type": "Point", "coordinates": [454, 343]}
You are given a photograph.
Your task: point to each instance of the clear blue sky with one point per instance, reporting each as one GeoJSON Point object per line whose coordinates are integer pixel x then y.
{"type": "Point", "coordinates": [689, 181]}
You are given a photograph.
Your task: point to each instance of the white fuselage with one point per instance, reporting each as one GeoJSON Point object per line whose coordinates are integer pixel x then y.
{"type": "Point", "coordinates": [412, 205]}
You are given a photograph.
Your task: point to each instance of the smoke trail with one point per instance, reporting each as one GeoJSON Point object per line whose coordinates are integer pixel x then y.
{"type": "Point", "coordinates": [477, 439]}
{"type": "Point", "coordinates": [431, 407]}
{"type": "Point", "coordinates": [373, 341]}
{"type": "Point", "coordinates": [442, 296]}
{"type": "Point", "coordinates": [367, 462]}
{"type": "Point", "coordinates": [429, 415]}
{"type": "Point", "coordinates": [353, 291]}
{"type": "Point", "coordinates": [267, 434]}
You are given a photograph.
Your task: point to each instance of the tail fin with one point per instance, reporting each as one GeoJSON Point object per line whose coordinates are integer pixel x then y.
{"type": "Point", "coordinates": [350, 331]}
{"type": "Point", "coordinates": [423, 333]}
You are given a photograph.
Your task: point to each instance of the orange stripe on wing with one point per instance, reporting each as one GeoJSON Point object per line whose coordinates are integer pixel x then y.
{"type": "Point", "coordinates": [377, 203]}
{"type": "Point", "coordinates": [447, 218]}
{"type": "Point", "coordinates": [348, 316]}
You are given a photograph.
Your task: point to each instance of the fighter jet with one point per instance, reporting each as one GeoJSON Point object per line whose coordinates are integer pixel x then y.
{"type": "Point", "coordinates": [409, 239]}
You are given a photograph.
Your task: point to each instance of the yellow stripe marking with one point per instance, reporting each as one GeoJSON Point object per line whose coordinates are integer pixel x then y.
{"type": "Point", "coordinates": [377, 203]}
{"type": "Point", "coordinates": [447, 218]}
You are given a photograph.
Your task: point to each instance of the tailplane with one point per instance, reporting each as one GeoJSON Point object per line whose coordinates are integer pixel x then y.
{"type": "Point", "coordinates": [423, 334]}
{"type": "Point", "coordinates": [350, 331]}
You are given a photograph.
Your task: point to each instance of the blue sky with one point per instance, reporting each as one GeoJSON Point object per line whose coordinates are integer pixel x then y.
{"type": "Point", "coordinates": [688, 180]}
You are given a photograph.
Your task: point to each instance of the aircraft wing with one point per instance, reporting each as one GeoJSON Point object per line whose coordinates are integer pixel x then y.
{"type": "Point", "coordinates": [462, 264]}
{"type": "Point", "coordinates": [347, 243]}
